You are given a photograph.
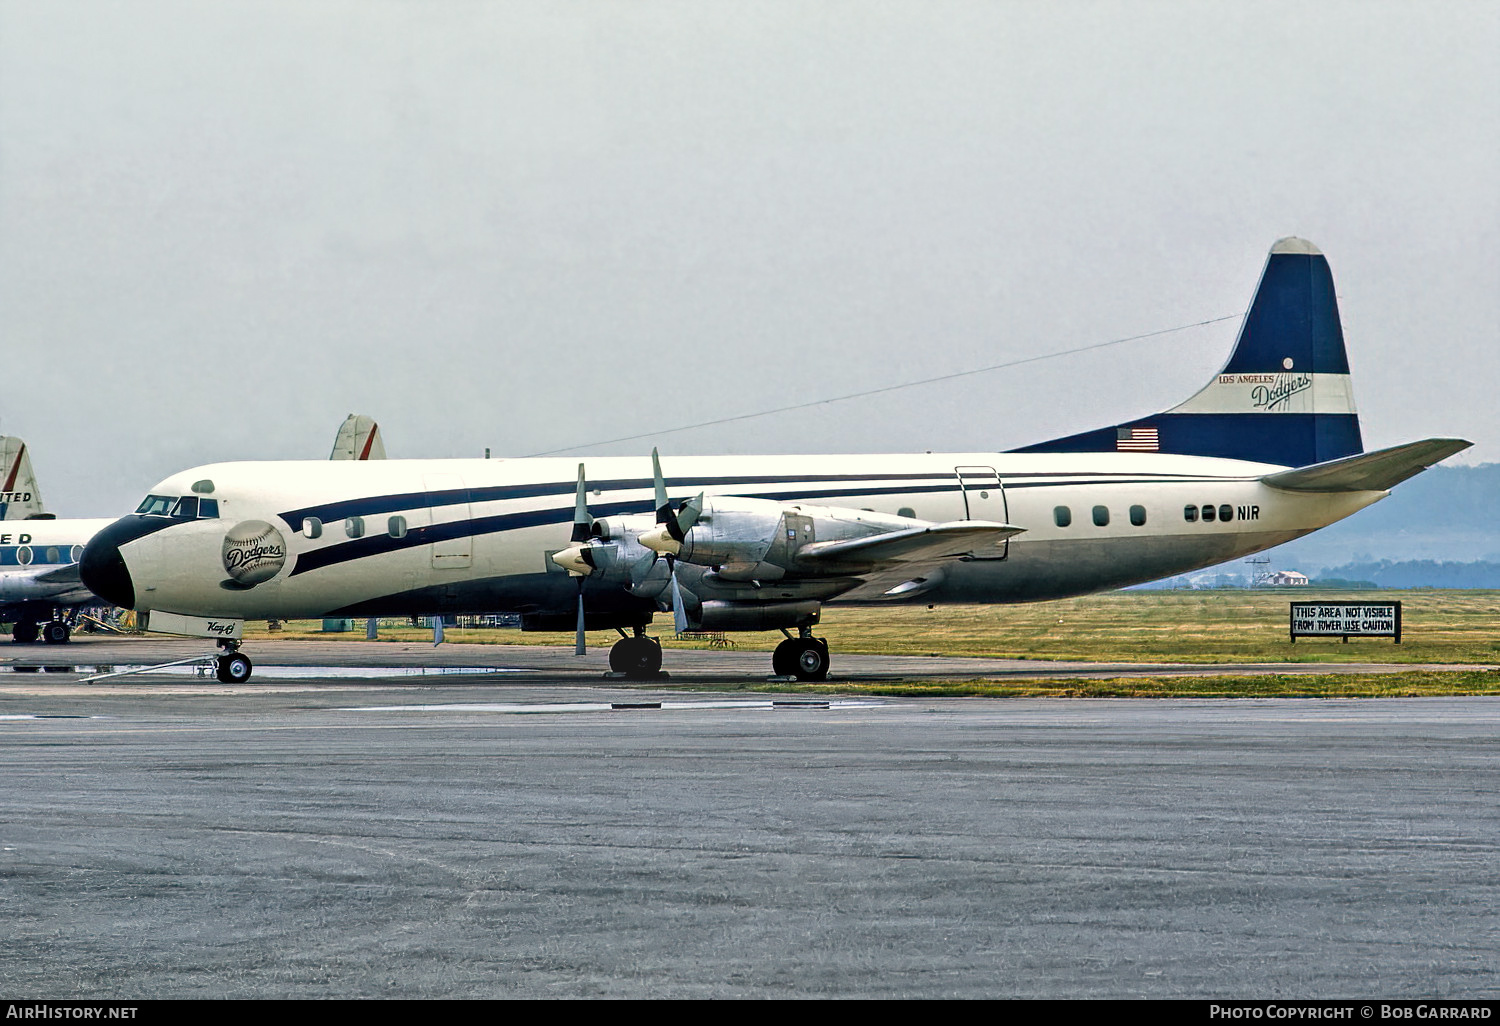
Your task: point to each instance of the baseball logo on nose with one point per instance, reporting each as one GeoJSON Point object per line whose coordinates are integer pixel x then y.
{"type": "Point", "coordinates": [254, 551]}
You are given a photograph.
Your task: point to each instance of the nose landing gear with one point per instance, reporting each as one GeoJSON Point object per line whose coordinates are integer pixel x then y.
{"type": "Point", "coordinates": [232, 666]}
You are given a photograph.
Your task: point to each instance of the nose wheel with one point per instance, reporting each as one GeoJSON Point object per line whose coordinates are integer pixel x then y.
{"type": "Point", "coordinates": [805, 658]}
{"type": "Point", "coordinates": [232, 666]}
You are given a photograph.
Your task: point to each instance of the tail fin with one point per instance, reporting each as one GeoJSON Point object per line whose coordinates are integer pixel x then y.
{"type": "Point", "coordinates": [1284, 396]}
{"type": "Point", "coordinates": [19, 498]}
{"type": "Point", "coordinates": [358, 439]}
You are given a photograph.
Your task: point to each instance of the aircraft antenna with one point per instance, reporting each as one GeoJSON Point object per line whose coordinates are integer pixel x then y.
{"type": "Point", "coordinates": [890, 388]}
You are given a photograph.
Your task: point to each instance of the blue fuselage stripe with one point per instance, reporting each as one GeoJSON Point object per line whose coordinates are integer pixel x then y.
{"type": "Point", "coordinates": [380, 544]}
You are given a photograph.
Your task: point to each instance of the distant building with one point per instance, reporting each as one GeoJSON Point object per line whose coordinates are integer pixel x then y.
{"type": "Point", "coordinates": [1283, 578]}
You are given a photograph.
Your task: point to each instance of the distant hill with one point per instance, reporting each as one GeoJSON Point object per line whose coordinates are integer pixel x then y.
{"type": "Point", "coordinates": [1417, 573]}
{"type": "Point", "coordinates": [1443, 516]}
{"type": "Point", "coordinates": [1438, 530]}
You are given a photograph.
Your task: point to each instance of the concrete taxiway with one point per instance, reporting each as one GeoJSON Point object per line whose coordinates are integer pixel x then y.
{"type": "Point", "coordinates": [486, 836]}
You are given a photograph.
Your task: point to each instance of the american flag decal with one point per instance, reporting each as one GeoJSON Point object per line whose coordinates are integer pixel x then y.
{"type": "Point", "coordinates": [1137, 439]}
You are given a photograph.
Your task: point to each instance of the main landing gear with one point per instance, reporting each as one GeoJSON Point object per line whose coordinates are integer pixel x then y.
{"type": "Point", "coordinates": [54, 632]}
{"type": "Point", "coordinates": [637, 657]}
{"type": "Point", "coordinates": [231, 665]}
{"type": "Point", "coordinates": [804, 657]}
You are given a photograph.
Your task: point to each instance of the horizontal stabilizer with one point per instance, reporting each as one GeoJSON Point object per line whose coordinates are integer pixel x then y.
{"type": "Point", "coordinates": [1370, 471]}
{"type": "Point", "coordinates": [917, 544]}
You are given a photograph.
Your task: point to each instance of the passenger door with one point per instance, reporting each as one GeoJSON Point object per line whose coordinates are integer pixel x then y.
{"type": "Point", "coordinates": [448, 505]}
{"type": "Point", "coordinates": [984, 499]}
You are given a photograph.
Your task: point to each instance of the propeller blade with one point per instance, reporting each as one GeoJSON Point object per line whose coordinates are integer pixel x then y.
{"type": "Point", "coordinates": [688, 515]}
{"type": "Point", "coordinates": [664, 515]}
{"type": "Point", "coordinates": [679, 614]}
{"type": "Point", "coordinates": [671, 527]}
{"type": "Point", "coordinates": [582, 522]}
{"type": "Point", "coordinates": [580, 646]}
{"type": "Point", "coordinates": [578, 558]}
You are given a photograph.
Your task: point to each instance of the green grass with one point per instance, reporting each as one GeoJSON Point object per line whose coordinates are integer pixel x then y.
{"type": "Point", "coordinates": [1133, 627]}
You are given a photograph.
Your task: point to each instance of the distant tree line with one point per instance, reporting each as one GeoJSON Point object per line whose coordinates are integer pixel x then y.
{"type": "Point", "coordinates": [1412, 573]}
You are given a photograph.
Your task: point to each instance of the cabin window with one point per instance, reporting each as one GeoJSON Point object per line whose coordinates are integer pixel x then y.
{"type": "Point", "coordinates": [208, 509]}
{"type": "Point", "coordinates": [397, 527]}
{"type": "Point", "coordinates": [1226, 513]}
{"type": "Point", "coordinates": [186, 508]}
{"type": "Point", "coordinates": [23, 555]}
{"type": "Point", "coordinates": [76, 553]}
{"type": "Point", "coordinates": [1062, 516]}
{"type": "Point", "coordinates": [1138, 516]}
{"type": "Point", "coordinates": [908, 512]}
{"type": "Point", "coordinates": [1208, 514]}
{"type": "Point", "coordinates": [1190, 514]}
{"type": "Point", "coordinates": [156, 505]}
{"type": "Point", "coordinates": [1101, 516]}
{"type": "Point", "coordinates": [53, 556]}
{"type": "Point", "coordinates": [312, 527]}
{"type": "Point", "coordinates": [354, 527]}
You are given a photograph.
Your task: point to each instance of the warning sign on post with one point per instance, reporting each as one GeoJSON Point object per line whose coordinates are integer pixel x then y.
{"type": "Point", "coordinates": [1346, 620]}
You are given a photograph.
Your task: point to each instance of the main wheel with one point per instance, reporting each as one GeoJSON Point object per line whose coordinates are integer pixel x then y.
{"type": "Point", "coordinates": [637, 658]}
{"type": "Point", "coordinates": [23, 633]}
{"type": "Point", "coordinates": [812, 659]}
{"type": "Point", "coordinates": [234, 668]}
{"type": "Point", "coordinates": [784, 658]}
{"type": "Point", "coordinates": [56, 632]}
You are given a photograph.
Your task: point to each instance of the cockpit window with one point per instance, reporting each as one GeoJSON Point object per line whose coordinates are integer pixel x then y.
{"type": "Point", "coordinates": [157, 505]}
{"type": "Point", "coordinates": [187, 507]}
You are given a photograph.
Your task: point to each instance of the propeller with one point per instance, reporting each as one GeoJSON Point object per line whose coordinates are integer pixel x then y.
{"type": "Point", "coordinates": [671, 528]}
{"type": "Point", "coordinates": [667, 536]}
{"type": "Point", "coordinates": [578, 558]}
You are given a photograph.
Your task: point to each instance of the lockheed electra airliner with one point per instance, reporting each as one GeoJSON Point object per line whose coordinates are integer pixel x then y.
{"type": "Point", "coordinates": [1267, 451]}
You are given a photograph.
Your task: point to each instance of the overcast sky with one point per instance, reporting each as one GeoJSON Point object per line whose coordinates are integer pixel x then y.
{"type": "Point", "coordinates": [527, 226]}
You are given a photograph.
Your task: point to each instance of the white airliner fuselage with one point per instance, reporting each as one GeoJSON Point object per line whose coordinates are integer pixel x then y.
{"type": "Point", "coordinates": [376, 552]}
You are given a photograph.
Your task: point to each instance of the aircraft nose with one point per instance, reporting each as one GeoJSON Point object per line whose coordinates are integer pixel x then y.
{"type": "Point", "coordinates": [103, 568]}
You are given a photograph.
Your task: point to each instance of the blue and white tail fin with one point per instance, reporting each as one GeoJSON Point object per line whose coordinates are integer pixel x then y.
{"type": "Point", "coordinates": [1284, 396]}
{"type": "Point", "coordinates": [19, 497]}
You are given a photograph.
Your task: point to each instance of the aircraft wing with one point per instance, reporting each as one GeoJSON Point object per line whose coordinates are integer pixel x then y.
{"type": "Point", "coordinates": [1369, 471]}
{"type": "Point", "coordinates": [920, 544]}
{"type": "Point", "coordinates": [60, 575]}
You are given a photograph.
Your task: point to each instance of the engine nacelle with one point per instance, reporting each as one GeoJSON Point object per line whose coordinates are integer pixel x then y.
{"type": "Point", "coordinates": [615, 555]}
{"type": "Point", "coordinates": [21, 587]}
{"type": "Point", "coordinates": [715, 615]}
{"type": "Point", "coordinates": [758, 539]}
